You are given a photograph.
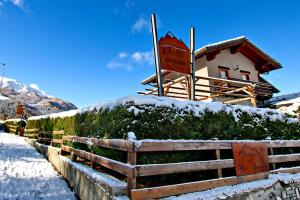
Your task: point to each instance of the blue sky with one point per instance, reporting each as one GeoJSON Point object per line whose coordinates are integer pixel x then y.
{"type": "Point", "coordinates": [87, 51]}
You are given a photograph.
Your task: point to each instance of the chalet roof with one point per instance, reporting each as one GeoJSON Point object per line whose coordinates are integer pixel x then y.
{"type": "Point", "coordinates": [263, 62]}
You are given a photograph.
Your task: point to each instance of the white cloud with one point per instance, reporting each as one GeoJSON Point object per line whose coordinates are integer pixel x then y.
{"type": "Point", "coordinates": [141, 24]}
{"type": "Point", "coordinates": [128, 61]}
{"type": "Point", "coordinates": [18, 3]}
{"type": "Point", "coordinates": [123, 55]}
{"type": "Point", "coordinates": [129, 4]}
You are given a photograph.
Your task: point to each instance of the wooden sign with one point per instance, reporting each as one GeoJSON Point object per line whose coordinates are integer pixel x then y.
{"type": "Point", "coordinates": [174, 55]}
{"type": "Point", "coordinates": [250, 158]}
{"type": "Point", "coordinates": [20, 109]}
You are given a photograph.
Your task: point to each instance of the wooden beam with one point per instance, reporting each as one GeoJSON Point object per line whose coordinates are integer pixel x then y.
{"type": "Point", "coordinates": [170, 190]}
{"type": "Point", "coordinates": [237, 100]}
{"type": "Point", "coordinates": [172, 168]}
{"type": "Point", "coordinates": [284, 158]}
{"type": "Point", "coordinates": [117, 144]}
{"type": "Point", "coordinates": [181, 145]}
{"type": "Point", "coordinates": [114, 165]}
{"type": "Point", "coordinates": [212, 55]}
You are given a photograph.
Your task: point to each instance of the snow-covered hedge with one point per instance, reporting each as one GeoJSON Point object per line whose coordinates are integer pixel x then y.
{"type": "Point", "coordinates": [151, 117]}
{"type": "Point", "coordinates": [165, 118]}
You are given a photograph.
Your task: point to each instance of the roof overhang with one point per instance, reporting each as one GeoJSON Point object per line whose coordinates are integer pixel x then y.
{"type": "Point", "coordinates": [263, 62]}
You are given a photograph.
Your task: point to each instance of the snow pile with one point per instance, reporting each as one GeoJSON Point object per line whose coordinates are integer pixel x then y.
{"type": "Point", "coordinates": [138, 103]}
{"type": "Point", "coordinates": [13, 120]}
{"type": "Point", "coordinates": [26, 174]}
{"type": "Point", "coordinates": [22, 88]}
{"type": "Point", "coordinates": [3, 98]}
{"type": "Point", "coordinates": [131, 136]}
{"type": "Point", "coordinates": [100, 178]}
{"type": "Point", "coordinates": [56, 115]}
{"type": "Point", "coordinates": [289, 103]}
{"type": "Point", "coordinates": [231, 191]}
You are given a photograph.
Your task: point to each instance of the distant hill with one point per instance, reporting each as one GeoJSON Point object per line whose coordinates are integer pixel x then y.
{"type": "Point", "coordinates": [36, 101]}
{"type": "Point", "coordinates": [289, 103]}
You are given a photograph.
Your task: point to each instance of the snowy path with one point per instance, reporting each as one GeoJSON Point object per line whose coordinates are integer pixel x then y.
{"type": "Point", "coordinates": [26, 174]}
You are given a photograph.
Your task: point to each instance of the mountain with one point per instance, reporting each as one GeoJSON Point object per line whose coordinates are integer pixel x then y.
{"type": "Point", "coordinates": [36, 101]}
{"type": "Point", "coordinates": [289, 103]}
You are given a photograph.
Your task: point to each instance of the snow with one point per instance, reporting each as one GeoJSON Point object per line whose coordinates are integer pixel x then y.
{"type": "Point", "coordinates": [230, 191]}
{"type": "Point", "coordinates": [221, 42]}
{"type": "Point", "coordinates": [21, 87]}
{"type": "Point", "coordinates": [136, 104]}
{"type": "Point", "coordinates": [3, 98]}
{"type": "Point", "coordinates": [13, 120]}
{"type": "Point", "coordinates": [25, 174]}
{"type": "Point", "coordinates": [131, 136]}
{"type": "Point", "coordinates": [56, 115]}
{"type": "Point", "coordinates": [289, 103]}
{"type": "Point", "coordinates": [100, 178]}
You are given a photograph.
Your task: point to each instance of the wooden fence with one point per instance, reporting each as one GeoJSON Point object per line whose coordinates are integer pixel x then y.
{"type": "Point", "coordinates": [12, 128]}
{"type": "Point", "coordinates": [133, 170]}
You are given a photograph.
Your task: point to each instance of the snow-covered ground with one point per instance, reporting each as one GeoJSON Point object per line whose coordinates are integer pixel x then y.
{"type": "Point", "coordinates": [25, 174]}
{"type": "Point", "coordinates": [232, 190]}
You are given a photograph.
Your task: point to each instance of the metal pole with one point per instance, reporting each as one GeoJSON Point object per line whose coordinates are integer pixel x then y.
{"type": "Point", "coordinates": [192, 75]}
{"type": "Point", "coordinates": [156, 55]}
{"type": "Point", "coordinates": [3, 64]}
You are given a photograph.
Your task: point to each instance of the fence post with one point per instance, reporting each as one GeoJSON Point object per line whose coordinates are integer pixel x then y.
{"type": "Point", "coordinates": [131, 159]}
{"type": "Point", "coordinates": [218, 157]}
{"type": "Point", "coordinates": [272, 153]}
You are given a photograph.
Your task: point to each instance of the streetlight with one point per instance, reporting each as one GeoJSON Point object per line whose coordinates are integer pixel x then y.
{"type": "Point", "coordinates": [3, 64]}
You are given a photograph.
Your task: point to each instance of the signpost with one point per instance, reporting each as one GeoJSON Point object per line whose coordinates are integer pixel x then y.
{"type": "Point", "coordinates": [20, 110]}
{"type": "Point", "coordinates": [250, 158]}
{"type": "Point", "coordinates": [173, 55]}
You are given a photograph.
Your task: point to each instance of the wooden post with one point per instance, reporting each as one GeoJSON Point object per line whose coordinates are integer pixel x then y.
{"type": "Point", "coordinates": [272, 153]}
{"type": "Point", "coordinates": [73, 157]}
{"type": "Point", "coordinates": [192, 75]}
{"type": "Point", "coordinates": [93, 165]}
{"type": "Point", "coordinates": [253, 97]}
{"type": "Point", "coordinates": [218, 157]}
{"type": "Point", "coordinates": [159, 78]}
{"type": "Point", "coordinates": [131, 181]}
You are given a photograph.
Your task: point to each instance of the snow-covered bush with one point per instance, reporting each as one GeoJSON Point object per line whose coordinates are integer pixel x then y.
{"type": "Point", "coordinates": [165, 118]}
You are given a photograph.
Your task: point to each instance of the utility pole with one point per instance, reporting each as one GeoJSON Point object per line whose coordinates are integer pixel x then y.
{"type": "Point", "coordinates": [3, 64]}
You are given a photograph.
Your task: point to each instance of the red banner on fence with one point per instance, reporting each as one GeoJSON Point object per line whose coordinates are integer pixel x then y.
{"type": "Point", "coordinates": [250, 158]}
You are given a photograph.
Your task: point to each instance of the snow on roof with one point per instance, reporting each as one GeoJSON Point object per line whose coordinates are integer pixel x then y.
{"type": "Point", "coordinates": [221, 42]}
{"type": "Point", "coordinates": [198, 108]}
{"type": "Point", "coordinates": [231, 191]}
{"type": "Point", "coordinates": [285, 99]}
{"type": "Point", "coordinates": [289, 103]}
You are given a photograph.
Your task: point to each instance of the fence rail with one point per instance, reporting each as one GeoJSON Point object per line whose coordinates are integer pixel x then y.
{"type": "Point", "coordinates": [132, 170]}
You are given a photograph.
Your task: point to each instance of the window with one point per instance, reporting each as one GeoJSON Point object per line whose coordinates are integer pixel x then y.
{"type": "Point", "coordinates": [245, 75]}
{"type": "Point", "coordinates": [224, 72]}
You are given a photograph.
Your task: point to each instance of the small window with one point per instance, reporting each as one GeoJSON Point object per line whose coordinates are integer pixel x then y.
{"type": "Point", "coordinates": [224, 72]}
{"type": "Point", "coordinates": [245, 75]}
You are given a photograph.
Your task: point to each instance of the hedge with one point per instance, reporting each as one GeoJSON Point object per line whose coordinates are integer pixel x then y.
{"type": "Point", "coordinates": [151, 117]}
